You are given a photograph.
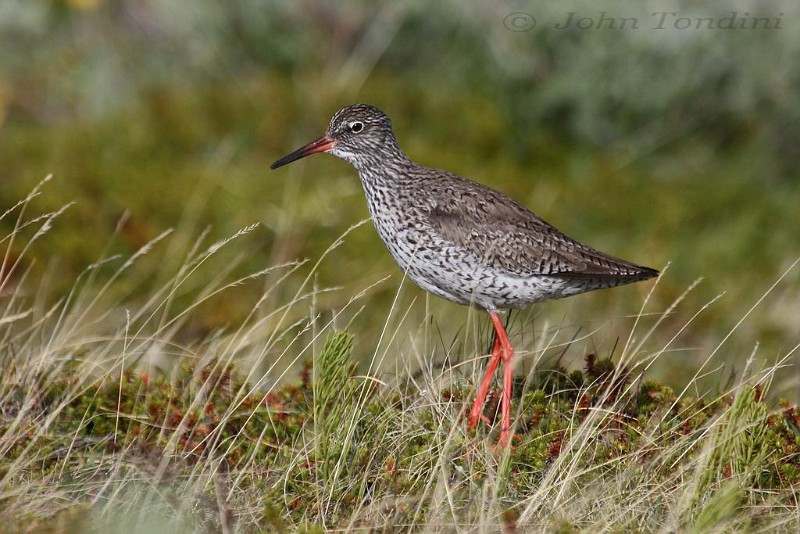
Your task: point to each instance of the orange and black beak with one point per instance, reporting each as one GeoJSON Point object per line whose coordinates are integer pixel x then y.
{"type": "Point", "coordinates": [322, 144]}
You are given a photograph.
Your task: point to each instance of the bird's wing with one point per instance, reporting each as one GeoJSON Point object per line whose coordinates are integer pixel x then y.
{"type": "Point", "coordinates": [499, 231]}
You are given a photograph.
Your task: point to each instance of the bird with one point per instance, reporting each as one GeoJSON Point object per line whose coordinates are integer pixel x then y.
{"type": "Point", "coordinates": [463, 241]}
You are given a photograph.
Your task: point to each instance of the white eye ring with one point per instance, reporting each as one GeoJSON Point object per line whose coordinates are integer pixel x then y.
{"type": "Point", "coordinates": [356, 126]}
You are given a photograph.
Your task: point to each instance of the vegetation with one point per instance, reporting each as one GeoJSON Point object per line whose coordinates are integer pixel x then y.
{"type": "Point", "coordinates": [190, 343]}
{"type": "Point", "coordinates": [198, 449]}
{"type": "Point", "coordinates": [111, 423]}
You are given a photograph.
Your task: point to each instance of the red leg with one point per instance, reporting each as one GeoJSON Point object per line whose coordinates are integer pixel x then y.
{"type": "Point", "coordinates": [477, 407]}
{"type": "Point", "coordinates": [505, 401]}
{"type": "Point", "coordinates": [502, 349]}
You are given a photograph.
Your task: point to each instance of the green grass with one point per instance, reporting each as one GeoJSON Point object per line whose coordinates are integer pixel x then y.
{"type": "Point", "coordinates": [114, 419]}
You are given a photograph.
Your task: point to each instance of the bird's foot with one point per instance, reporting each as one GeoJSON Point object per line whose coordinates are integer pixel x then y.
{"type": "Point", "coordinates": [476, 413]}
{"type": "Point", "coordinates": [505, 442]}
{"type": "Point", "coordinates": [473, 423]}
{"type": "Point", "coordinates": [472, 420]}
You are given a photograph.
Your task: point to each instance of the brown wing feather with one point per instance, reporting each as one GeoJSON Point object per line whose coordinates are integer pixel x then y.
{"type": "Point", "coordinates": [500, 231]}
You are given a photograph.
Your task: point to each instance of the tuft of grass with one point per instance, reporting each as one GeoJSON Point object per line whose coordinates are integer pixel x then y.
{"type": "Point", "coordinates": [334, 391]}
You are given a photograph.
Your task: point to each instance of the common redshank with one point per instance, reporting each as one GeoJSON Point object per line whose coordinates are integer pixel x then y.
{"type": "Point", "coordinates": [463, 241]}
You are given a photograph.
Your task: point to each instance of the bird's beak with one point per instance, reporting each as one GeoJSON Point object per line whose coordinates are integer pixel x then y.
{"type": "Point", "coordinates": [323, 144]}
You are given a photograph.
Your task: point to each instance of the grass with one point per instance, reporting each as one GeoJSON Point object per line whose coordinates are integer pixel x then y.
{"type": "Point", "coordinates": [117, 416]}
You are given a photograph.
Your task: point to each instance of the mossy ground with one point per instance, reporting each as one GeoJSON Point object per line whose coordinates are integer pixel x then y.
{"type": "Point", "coordinates": [332, 450]}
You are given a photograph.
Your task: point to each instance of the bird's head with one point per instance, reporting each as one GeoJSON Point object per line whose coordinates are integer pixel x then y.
{"type": "Point", "coordinates": [359, 134]}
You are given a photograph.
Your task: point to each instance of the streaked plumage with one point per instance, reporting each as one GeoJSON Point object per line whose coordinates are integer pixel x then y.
{"type": "Point", "coordinates": [461, 240]}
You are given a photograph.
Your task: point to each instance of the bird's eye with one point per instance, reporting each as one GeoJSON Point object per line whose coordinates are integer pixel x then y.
{"type": "Point", "coordinates": [356, 127]}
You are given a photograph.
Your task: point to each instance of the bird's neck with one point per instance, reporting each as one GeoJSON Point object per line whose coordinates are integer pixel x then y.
{"type": "Point", "coordinates": [383, 168]}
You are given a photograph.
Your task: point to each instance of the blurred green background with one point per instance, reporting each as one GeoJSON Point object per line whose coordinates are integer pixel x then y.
{"type": "Point", "coordinates": [668, 144]}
